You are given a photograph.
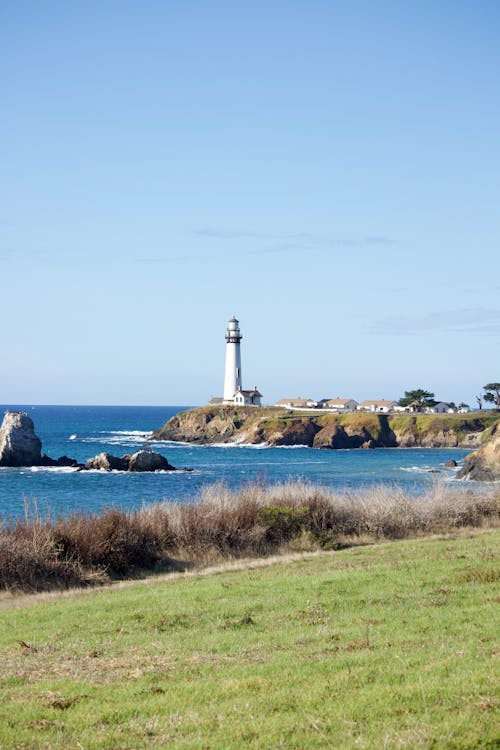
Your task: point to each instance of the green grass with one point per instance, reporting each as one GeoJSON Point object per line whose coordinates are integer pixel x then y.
{"type": "Point", "coordinates": [388, 646]}
{"type": "Point", "coordinates": [380, 426]}
{"type": "Point", "coordinates": [424, 424]}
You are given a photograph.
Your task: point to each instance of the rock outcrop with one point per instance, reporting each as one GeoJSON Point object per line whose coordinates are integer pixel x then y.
{"type": "Point", "coordinates": [19, 445]}
{"type": "Point", "coordinates": [63, 461]}
{"type": "Point", "coordinates": [139, 461]}
{"type": "Point", "coordinates": [149, 461]}
{"type": "Point", "coordinates": [107, 462]}
{"type": "Point", "coordinates": [484, 464]}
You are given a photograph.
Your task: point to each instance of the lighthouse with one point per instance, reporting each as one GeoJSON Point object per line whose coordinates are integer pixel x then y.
{"type": "Point", "coordinates": [232, 377]}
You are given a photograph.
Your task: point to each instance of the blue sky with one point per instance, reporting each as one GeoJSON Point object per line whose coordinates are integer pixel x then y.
{"type": "Point", "coordinates": [327, 171]}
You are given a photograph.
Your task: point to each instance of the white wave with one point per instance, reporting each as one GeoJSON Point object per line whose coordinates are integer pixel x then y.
{"type": "Point", "coordinates": [257, 446]}
{"type": "Point", "coordinates": [176, 444]}
{"type": "Point", "coordinates": [72, 437]}
{"type": "Point", "coordinates": [52, 469]}
{"type": "Point", "coordinates": [127, 433]}
{"type": "Point", "coordinates": [134, 437]}
{"type": "Point", "coordinates": [111, 472]}
{"type": "Point", "coordinates": [289, 447]}
{"type": "Point", "coordinates": [417, 469]}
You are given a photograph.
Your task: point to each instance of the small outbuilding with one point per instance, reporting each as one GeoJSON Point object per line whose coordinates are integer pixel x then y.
{"type": "Point", "coordinates": [338, 404]}
{"type": "Point", "coordinates": [381, 405]}
{"type": "Point", "coordinates": [297, 403]}
{"type": "Point", "coordinates": [248, 398]}
{"type": "Point", "coordinates": [440, 408]}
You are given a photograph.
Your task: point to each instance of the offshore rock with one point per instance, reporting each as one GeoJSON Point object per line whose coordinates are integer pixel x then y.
{"type": "Point", "coordinates": [107, 462]}
{"type": "Point", "coordinates": [484, 464]}
{"type": "Point", "coordinates": [140, 461]}
{"type": "Point", "coordinates": [63, 461]}
{"type": "Point", "coordinates": [19, 445]}
{"type": "Point", "coordinates": [148, 461]}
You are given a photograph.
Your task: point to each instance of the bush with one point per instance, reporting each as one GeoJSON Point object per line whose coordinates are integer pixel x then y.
{"type": "Point", "coordinates": [37, 554]}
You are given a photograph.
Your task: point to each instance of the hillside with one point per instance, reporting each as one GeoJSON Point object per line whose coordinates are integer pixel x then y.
{"type": "Point", "coordinates": [362, 648]}
{"type": "Point", "coordinates": [275, 426]}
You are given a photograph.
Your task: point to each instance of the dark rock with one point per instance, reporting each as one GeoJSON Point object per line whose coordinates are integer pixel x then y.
{"type": "Point", "coordinates": [335, 436]}
{"type": "Point", "coordinates": [107, 462]}
{"type": "Point", "coordinates": [149, 461]}
{"type": "Point", "coordinates": [67, 461]}
{"type": "Point", "coordinates": [61, 461]}
{"type": "Point", "coordinates": [19, 446]}
{"type": "Point", "coordinates": [47, 461]}
{"type": "Point", "coordinates": [451, 463]}
{"type": "Point", "coordinates": [298, 432]}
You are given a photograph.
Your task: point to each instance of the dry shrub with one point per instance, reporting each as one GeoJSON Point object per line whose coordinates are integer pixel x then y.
{"type": "Point", "coordinates": [253, 521]}
{"type": "Point", "coordinates": [115, 541]}
{"type": "Point", "coordinates": [221, 524]}
{"type": "Point", "coordinates": [29, 561]}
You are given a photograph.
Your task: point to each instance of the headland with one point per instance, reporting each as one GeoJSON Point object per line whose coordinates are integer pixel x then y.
{"type": "Point", "coordinates": [276, 426]}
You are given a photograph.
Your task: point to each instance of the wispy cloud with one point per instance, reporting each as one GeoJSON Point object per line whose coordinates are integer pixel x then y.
{"type": "Point", "coordinates": [229, 234]}
{"type": "Point", "coordinates": [471, 320]}
{"type": "Point", "coordinates": [294, 240]}
{"type": "Point", "coordinates": [22, 255]}
{"type": "Point", "coordinates": [167, 259]}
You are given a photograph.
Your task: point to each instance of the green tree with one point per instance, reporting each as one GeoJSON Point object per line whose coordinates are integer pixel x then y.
{"type": "Point", "coordinates": [425, 398]}
{"type": "Point", "coordinates": [492, 394]}
{"type": "Point", "coordinates": [463, 405]}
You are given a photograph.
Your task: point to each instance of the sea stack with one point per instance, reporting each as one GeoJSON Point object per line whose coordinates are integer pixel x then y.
{"type": "Point", "coordinates": [19, 445]}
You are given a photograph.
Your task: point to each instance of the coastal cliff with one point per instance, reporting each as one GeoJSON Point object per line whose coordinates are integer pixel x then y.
{"type": "Point", "coordinates": [484, 464]}
{"type": "Point", "coordinates": [245, 424]}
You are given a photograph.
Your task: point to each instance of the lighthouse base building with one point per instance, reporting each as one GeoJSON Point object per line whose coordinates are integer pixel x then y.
{"type": "Point", "coordinates": [248, 398]}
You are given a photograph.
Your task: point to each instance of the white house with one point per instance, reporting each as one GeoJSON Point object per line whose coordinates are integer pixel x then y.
{"type": "Point", "coordinates": [381, 406]}
{"type": "Point", "coordinates": [338, 404]}
{"type": "Point", "coordinates": [247, 398]}
{"type": "Point", "coordinates": [441, 408]}
{"type": "Point", "coordinates": [297, 403]}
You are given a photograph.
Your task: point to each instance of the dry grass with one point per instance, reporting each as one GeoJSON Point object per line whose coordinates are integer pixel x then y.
{"type": "Point", "coordinates": [40, 554]}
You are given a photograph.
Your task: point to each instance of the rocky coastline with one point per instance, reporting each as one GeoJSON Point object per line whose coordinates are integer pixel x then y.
{"type": "Point", "coordinates": [281, 427]}
{"type": "Point", "coordinates": [209, 425]}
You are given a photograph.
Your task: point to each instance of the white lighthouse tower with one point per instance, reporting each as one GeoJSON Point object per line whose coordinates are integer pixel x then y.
{"type": "Point", "coordinates": [232, 377]}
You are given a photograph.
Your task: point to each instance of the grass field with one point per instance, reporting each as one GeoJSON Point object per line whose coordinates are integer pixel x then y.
{"type": "Point", "coordinates": [384, 646]}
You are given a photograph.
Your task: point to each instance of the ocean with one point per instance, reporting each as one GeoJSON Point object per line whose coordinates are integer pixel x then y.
{"type": "Point", "coordinates": [84, 431]}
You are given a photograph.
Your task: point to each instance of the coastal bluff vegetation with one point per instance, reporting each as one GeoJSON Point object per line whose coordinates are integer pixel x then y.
{"type": "Point", "coordinates": [276, 426]}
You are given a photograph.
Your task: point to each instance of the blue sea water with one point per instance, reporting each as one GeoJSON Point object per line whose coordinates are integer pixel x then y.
{"type": "Point", "coordinates": [84, 431]}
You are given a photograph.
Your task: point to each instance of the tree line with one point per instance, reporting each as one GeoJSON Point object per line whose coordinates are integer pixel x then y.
{"type": "Point", "coordinates": [490, 394]}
